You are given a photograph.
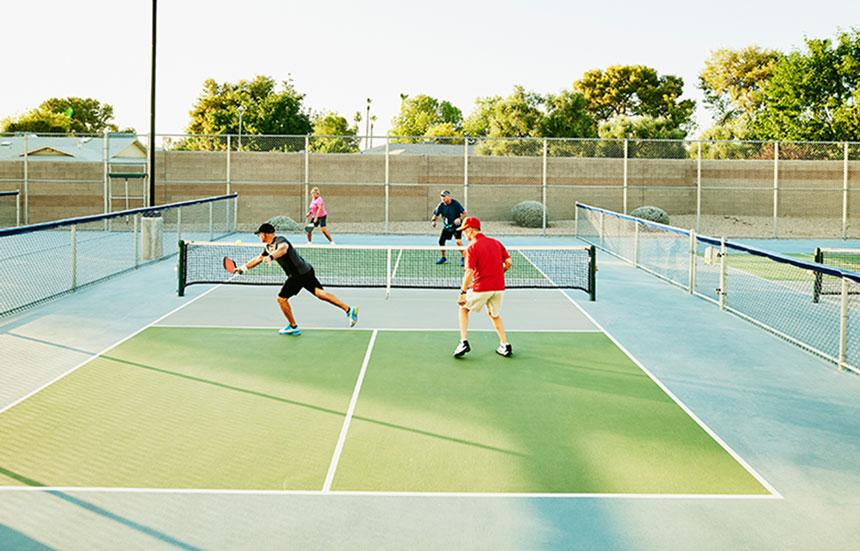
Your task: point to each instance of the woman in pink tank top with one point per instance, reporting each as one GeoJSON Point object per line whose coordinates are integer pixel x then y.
{"type": "Point", "coordinates": [317, 216]}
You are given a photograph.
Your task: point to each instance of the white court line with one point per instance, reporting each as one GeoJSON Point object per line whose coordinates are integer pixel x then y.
{"type": "Point", "coordinates": [405, 329]}
{"type": "Point", "coordinates": [396, 264]}
{"type": "Point", "coordinates": [359, 493]}
{"type": "Point", "coordinates": [342, 438]}
{"type": "Point", "coordinates": [671, 395]}
{"type": "Point", "coordinates": [99, 354]}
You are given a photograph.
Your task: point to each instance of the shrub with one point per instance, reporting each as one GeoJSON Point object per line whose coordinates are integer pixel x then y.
{"type": "Point", "coordinates": [528, 214]}
{"type": "Point", "coordinates": [285, 224]}
{"type": "Point", "coordinates": [654, 214]}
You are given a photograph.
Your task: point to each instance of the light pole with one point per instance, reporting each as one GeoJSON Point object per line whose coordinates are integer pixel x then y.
{"type": "Point", "coordinates": [367, 127]}
{"type": "Point", "coordinates": [241, 110]}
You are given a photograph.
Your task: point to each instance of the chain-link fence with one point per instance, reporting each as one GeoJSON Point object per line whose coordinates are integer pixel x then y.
{"type": "Point", "coordinates": [806, 303]}
{"type": "Point", "coordinates": [392, 184]}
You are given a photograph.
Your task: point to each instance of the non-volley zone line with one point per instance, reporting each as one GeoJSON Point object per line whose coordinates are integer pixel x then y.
{"type": "Point", "coordinates": [402, 416]}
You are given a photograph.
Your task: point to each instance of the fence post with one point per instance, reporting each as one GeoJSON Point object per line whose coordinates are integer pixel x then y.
{"type": "Point", "coordinates": [635, 244]}
{"type": "Point", "coordinates": [387, 182]}
{"type": "Point", "coordinates": [624, 191]}
{"type": "Point", "coordinates": [211, 222]}
{"type": "Point", "coordinates": [775, 185]}
{"type": "Point", "coordinates": [387, 268]}
{"type": "Point", "coordinates": [843, 323]}
{"type": "Point", "coordinates": [693, 262]}
{"type": "Point", "coordinates": [543, 188]}
{"type": "Point", "coordinates": [17, 209]}
{"type": "Point", "coordinates": [307, 176]}
{"type": "Point", "coordinates": [699, 187]}
{"type": "Point", "coordinates": [600, 229]}
{"type": "Point", "coordinates": [136, 218]}
{"type": "Point", "coordinates": [105, 170]}
{"type": "Point", "coordinates": [466, 174]}
{"type": "Point", "coordinates": [26, 179]}
{"type": "Point", "coordinates": [845, 191]}
{"type": "Point", "coordinates": [235, 214]}
{"type": "Point", "coordinates": [229, 169]}
{"type": "Point", "coordinates": [74, 256]}
{"type": "Point", "coordinates": [723, 280]}
{"type": "Point", "coordinates": [179, 224]}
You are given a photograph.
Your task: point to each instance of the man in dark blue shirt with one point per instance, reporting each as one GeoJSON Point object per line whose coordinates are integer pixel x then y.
{"type": "Point", "coordinates": [452, 213]}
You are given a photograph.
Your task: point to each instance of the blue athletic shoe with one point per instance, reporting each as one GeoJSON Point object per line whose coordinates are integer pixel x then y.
{"type": "Point", "coordinates": [290, 330]}
{"type": "Point", "coordinates": [352, 314]}
{"type": "Point", "coordinates": [442, 260]}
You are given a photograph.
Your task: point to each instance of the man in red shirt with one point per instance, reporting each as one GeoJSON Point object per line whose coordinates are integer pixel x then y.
{"type": "Point", "coordinates": [483, 284]}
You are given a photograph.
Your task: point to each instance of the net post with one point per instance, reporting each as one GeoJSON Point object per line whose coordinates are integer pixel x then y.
{"type": "Point", "coordinates": [723, 262]}
{"type": "Point", "coordinates": [635, 244]}
{"type": "Point", "coordinates": [73, 256]}
{"type": "Point", "coordinates": [845, 191]}
{"type": "Point", "coordinates": [136, 218]}
{"type": "Point", "coordinates": [699, 186]}
{"type": "Point", "coordinates": [693, 258]}
{"type": "Point", "coordinates": [181, 268]}
{"type": "Point", "coordinates": [624, 186]}
{"type": "Point", "coordinates": [843, 323]}
{"type": "Point", "coordinates": [817, 285]}
{"type": "Point", "coordinates": [775, 186]}
{"type": "Point", "coordinates": [387, 273]}
{"type": "Point", "coordinates": [592, 273]}
{"type": "Point", "coordinates": [543, 189]}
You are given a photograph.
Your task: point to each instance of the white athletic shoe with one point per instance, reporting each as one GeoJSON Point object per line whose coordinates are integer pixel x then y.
{"type": "Point", "coordinates": [505, 350]}
{"type": "Point", "coordinates": [461, 349]}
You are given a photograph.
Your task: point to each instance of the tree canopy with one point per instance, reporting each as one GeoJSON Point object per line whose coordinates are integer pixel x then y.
{"type": "Point", "coordinates": [65, 115]}
{"type": "Point", "coordinates": [265, 110]}
{"type": "Point", "coordinates": [423, 115]}
{"type": "Point", "coordinates": [333, 134]}
{"type": "Point", "coordinates": [635, 90]}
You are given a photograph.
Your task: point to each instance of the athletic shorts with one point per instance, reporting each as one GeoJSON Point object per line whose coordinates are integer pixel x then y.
{"type": "Point", "coordinates": [294, 284]}
{"type": "Point", "coordinates": [491, 299]}
{"type": "Point", "coordinates": [320, 223]}
{"type": "Point", "coordinates": [449, 234]}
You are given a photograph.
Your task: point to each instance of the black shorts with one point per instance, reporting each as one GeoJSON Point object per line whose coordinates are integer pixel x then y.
{"type": "Point", "coordinates": [320, 221]}
{"type": "Point", "coordinates": [294, 284]}
{"type": "Point", "coordinates": [449, 234]}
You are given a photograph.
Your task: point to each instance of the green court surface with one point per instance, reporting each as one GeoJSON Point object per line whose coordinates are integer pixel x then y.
{"type": "Point", "coordinates": [194, 408]}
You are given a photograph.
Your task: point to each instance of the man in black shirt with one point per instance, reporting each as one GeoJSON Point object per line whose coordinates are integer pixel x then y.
{"type": "Point", "coordinates": [452, 213]}
{"type": "Point", "coordinates": [300, 275]}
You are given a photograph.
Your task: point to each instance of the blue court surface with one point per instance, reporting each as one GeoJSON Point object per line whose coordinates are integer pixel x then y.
{"type": "Point", "coordinates": [786, 420]}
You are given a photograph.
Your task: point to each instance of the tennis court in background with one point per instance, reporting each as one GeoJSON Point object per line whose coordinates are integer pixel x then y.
{"type": "Point", "coordinates": [212, 398]}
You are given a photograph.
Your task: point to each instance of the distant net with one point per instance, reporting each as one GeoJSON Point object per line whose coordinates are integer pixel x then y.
{"type": "Point", "coordinates": [844, 259]}
{"type": "Point", "coordinates": [564, 267]}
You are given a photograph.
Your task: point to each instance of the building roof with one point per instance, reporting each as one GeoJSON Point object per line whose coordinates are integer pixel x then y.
{"type": "Point", "coordinates": [428, 148]}
{"type": "Point", "coordinates": [121, 148]}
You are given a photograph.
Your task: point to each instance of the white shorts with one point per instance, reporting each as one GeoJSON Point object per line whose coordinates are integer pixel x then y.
{"type": "Point", "coordinates": [492, 299]}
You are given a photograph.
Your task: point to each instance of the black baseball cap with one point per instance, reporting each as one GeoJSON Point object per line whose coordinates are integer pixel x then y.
{"type": "Point", "coordinates": [265, 227]}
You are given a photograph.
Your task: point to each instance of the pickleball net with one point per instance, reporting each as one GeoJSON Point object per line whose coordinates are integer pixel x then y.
{"type": "Point", "coordinates": [390, 267]}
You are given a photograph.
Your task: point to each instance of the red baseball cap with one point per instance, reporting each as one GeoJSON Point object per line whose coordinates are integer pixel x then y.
{"type": "Point", "coordinates": [470, 222]}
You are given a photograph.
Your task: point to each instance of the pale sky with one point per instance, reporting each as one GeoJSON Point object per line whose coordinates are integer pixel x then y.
{"type": "Point", "coordinates": [340, 53]}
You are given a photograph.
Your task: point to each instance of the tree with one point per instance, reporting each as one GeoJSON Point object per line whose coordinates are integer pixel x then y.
{"type": "Point", "coordinates": [813, 94]}
{"type": "Point", "coordinates": [639, 130]}
{"type": "Point", "coordinates": [266, 110]}
{"type": "Point", "coordinates": [332, 134]}
{"type": "Point", "coordinates": [516, 116]}
{"type": "Point", "coordinates": [65, 115]}
{"type": "Point", "coordinates": [733, 80]}
{"type": "Point", "coordinates": [635, 90]}
{"type": "Point", "coordinates": [419, 114]}
{"type": "Point", "coordinates": [567, 117]}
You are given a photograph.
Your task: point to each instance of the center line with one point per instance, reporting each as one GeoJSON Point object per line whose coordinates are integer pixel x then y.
{"type": "Point", "coordinates": [342, 439]}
